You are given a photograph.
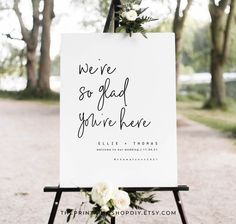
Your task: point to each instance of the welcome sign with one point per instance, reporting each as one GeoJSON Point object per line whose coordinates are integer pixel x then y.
{"type": "Point", "coordinates": [118, 112]}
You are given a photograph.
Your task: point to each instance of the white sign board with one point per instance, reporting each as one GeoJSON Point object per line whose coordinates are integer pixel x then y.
{"type": "Point", "coordinates": [118, 111]}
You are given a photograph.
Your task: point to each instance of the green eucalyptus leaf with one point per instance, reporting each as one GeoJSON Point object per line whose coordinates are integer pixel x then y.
{"type": "Point", "coordinates": [120, 29]}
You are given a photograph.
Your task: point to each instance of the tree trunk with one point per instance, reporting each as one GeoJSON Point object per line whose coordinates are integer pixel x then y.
{"type": "Point", "coordinates": [45, 61]}
{"type": "Point", "coordinates": [217, 82]}
{"type": "Point", "coordinates": [217, 64]}
{"type": "Point", "coordinates": [31, 68]}
{"type": "Point", "coordinates": [30, 37]}
{"type": "Point", "coordinates": [220, 36]}
{"type": "Point", "coordinates": [178, 26]}
{"type": "Point", "coordinates": [178, 56]}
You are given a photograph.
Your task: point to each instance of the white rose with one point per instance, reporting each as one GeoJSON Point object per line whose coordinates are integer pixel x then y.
{"type": "Point", "coordinates": [123, 14]}
{"type": "Point", "coordinates": [121, 200]}
{"type": "Point", "coordinates": [131, 15]}
{"type": "Point", "coordinates": [135, 7]}
{"type": "Point", "coordinates": [105, 208]}
{"type": "Point", "coordinates": [102, 193]}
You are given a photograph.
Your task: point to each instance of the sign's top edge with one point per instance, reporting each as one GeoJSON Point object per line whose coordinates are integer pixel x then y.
{"type": "Point", "coordinates": [124, 34]}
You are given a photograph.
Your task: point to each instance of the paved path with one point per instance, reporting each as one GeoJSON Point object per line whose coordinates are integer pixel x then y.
{"type": "Point", "coordinates": [29, 160]}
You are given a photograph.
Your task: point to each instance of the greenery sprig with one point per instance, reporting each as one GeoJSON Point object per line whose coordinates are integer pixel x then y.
{"type": "Point", "coordinates": [137, 198]}
{"type": "Point", "coordinates": [131, 20]}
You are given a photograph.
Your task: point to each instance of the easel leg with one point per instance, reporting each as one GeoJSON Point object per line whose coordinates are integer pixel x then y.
{"type": "Point", "coordinates": [113, 220]}
{"type": "Point", "coordinates": [180, 207]}
{"type": "Point", "coordinates": [55, 207]}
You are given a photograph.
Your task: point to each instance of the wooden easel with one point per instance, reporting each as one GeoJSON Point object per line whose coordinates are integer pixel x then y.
{"type": "Point", "coordinates": [176, 190]}
{"type": "Point", "coordinates": [114, 9]}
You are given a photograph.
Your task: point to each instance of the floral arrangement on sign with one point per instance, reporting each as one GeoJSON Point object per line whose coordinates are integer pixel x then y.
{"type": "Point", "coordinates": [107, 199]}
{"type": "Point", "coordinates": [131, 19]}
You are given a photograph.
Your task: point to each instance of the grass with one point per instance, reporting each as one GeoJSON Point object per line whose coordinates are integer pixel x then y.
{"type": "Point", "coordinates": [224, 121]}
{"type": "Point", "coordinates": [49, 98]}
